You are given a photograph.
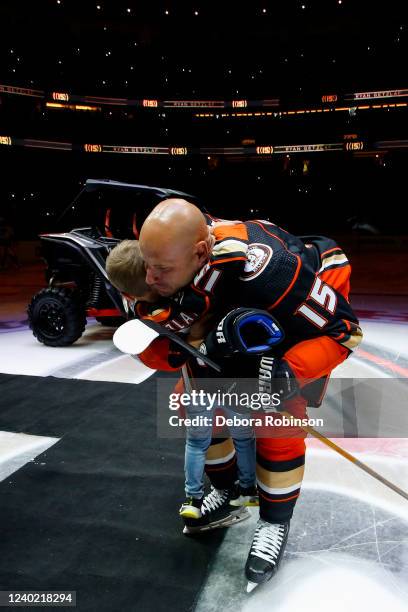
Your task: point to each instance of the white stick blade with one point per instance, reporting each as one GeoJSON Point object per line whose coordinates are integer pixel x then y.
{"type": "Point", "coordinates": [133, 337]}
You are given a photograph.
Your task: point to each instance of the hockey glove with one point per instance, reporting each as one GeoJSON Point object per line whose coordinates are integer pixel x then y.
{"type": "Point", "coordinates": [243, 330]}
{"type": "Point", "coordinates": [276, 379]}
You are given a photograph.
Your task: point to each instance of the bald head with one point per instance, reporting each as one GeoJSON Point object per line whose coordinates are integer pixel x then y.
{"type": "Point", "coordinates": [174, 219]}
{"type": "Point", "coordinates": [175, 242]}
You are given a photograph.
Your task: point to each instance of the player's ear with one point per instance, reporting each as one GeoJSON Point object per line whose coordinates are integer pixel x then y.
{"type": "Point", "coordinates": [202, 251]}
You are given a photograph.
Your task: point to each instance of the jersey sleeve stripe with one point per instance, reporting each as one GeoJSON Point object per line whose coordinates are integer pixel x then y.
{"type": "Point", "coordinates": [354, 339]}
{"type": "Point", "coordinates": [230, 246]}
{"type": "Point", "coordinates": [226, 260]}
{"type": "Point", "coordinates": [337, 248]}
{"type": "Point", "coordinates": [278, 301]}
{"type": "Point", "coordinates": [230, 230]}
{"type": "Point", "coordinates": [334, 260]}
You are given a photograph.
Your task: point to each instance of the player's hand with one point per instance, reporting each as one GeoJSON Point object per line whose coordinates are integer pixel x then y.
{"type": "Point", "coordinates": [268, 379]}
{"type": "Point", "coordinates": [276, 379]}
{"type": "Point", "coordinates": [243, 330]}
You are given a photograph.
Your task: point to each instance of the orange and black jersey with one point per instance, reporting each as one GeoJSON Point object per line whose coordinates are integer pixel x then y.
{"type": "Point", "coordinates": [303, 282]}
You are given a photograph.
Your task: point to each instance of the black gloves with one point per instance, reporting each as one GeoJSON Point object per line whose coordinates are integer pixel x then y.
{"type": "Point", "coordinates": [276, 379]}
{"type": "Point", "coordinates": [243, 330]}
{"type": "Point", "coordinates": [241, 343]}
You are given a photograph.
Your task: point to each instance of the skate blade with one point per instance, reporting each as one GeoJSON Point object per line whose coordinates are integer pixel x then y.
{"type": "Point", "coordinates": [241, 515]}
{"type": "Point", "coordinates": [252, 502]}
{"type": "Point", "coordinates": [251, 586]}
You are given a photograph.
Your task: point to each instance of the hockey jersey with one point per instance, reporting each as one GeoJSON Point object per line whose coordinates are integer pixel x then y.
{"type": "Point", "coordinates": [302, 281]}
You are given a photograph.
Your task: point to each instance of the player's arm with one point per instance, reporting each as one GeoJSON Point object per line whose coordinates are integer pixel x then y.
{"type": "Point", "coordinates": [327, 315]}
{"type": "Point", "coordinates": [312, 359]}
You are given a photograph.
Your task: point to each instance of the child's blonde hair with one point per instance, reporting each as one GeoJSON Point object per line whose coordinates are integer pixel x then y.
{"type": "Point", "coordinates": [125, 268]}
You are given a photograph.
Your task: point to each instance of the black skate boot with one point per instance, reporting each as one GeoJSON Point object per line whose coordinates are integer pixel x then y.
{"type": "Point", "coordinates": [266, 552]}
{"type": "Point", "coordinates": [216, 512]}
{"type": "Point", "coordinates": [245, 496]}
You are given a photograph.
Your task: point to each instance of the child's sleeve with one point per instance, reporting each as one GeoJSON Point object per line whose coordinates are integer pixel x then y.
{"type": "Point", "coordinates": [159, 312]}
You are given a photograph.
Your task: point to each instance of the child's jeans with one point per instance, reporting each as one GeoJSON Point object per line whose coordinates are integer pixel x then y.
{"type": "Point", "coordinates": [198, 439]}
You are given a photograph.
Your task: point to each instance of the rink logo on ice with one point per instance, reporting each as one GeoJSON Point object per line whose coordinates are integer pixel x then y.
{"type": "Point", "coordinates": [258, 257]}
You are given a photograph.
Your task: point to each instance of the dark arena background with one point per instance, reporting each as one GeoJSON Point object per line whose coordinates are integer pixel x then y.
{"type": "Point", "coordinates": [292, 112]}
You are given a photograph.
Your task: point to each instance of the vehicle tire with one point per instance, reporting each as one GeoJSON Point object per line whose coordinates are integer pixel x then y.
{"type": "Point", "coordinates": [56, 316]}
{"type": "Point", "coordinates": [111, 321]}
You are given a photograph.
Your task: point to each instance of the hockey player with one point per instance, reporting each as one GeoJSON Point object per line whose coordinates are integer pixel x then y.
{"type": "Point", "coordinates": [304, 282]}
{"type": "Point", "coordinates": [125, 269]}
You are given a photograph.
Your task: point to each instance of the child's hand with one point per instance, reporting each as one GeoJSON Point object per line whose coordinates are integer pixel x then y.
{"type": "Point", "coordinates": [200, 329]}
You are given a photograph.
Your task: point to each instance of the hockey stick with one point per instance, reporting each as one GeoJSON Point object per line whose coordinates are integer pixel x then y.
{"type": "Point", "coordinates": [133, 337]}
{"type": "Point", "coordinates": [353, 459]}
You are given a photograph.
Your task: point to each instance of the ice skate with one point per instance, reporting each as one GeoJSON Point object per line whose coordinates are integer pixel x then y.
{"type": "Point", "coordinates": [245, 496]}
{"type": "Point", "coordinates": [266, 552]}
{"type": "Point", "coordinates": [216, 512]}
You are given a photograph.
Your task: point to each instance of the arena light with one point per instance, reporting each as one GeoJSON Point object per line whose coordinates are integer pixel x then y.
{"type": "Point", "coordinates": [329, 98]}
{"type": "Point", "coordinates": [193, 104]}
{"type": "Point", "coordinates": [374, 95]}
{"type": "Point", "coordinates": [21, 91]}
{"type": "Point", "coordinates": [308, 148]}
{"type": "Point", "coordinates": [93, 148]}
{"type": "Point", "coordinates": [239, 103]}
{"type": "Point", "coordinates": [178, 151]}
{"type": "Point", "coordinates": [59, 95]}
{"type": "Point", "coordinates": [101, 100]}
{"type": "Point", "coordinates": [46, 144]}
{"type": "Point", "coordinates": [264, 150]}
{"type": "Point", "coordinates": [348, 145]}
{"type": "Point", "coordinates": [357, 145]}
{"type": "Point", "coordinates": [391, 144]}
{"type": "Point", "coordinates": [136, 150]}
{"type": "Point", "coordinates": [150, 103]}
{"type": "Point", "coordinates": [81, 107]}
{"type": "Point", "coordinates": [75, 107]}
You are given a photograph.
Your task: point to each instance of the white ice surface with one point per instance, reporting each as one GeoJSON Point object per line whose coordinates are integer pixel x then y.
{"type": "Point", "coordinates": [17, 449]}
{"type": "Point", "coordinates": [92, 357]}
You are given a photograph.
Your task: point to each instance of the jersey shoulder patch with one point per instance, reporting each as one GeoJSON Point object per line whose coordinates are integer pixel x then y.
{"type": "Point", "coordinates": [258, 257]}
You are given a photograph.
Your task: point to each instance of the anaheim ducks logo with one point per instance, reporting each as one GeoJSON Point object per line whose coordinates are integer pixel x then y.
{"type": "Point", "coordinates": [258, 257]}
